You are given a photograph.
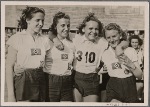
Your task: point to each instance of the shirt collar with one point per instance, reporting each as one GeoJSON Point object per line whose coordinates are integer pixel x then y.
{"type": "Point", "coordinates": [63, 40]}
{"type": "Point", "coordinates": [84, 39]}
{"type": "Point", "coordinates": [25, 32]}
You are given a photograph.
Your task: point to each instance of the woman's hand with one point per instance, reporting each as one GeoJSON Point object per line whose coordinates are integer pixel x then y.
{"type": "Point", "coordinates": [58, 44]}
{"type": "Point", "coordinates": [133, 66]}
{"type": "Point", "coordinates": [126, 61]}
{"type": "Point", "coordinates": [18, 70]}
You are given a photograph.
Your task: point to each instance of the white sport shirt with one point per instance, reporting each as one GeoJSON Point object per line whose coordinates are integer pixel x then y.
{"type": "Point", "coordinates": [60, 62]}
{"type": "Point", "coordinates": [31, 54]}
{"type": "Point", "coordinates": [88, 53]}
{"type": "Point", "coordinates": [114, 68]}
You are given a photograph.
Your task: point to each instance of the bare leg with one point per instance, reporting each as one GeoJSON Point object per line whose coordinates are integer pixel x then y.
{"type": "Point", "coordinates": [91, 98]}
{"type": "Point", "coordinates": [77, 96]}
{"type": "Point", "coordinates": [115, 100]}
{"type": "Point", "coordinates": [140, 87]}
{"type": "Point", "coordinates": [103, 96]}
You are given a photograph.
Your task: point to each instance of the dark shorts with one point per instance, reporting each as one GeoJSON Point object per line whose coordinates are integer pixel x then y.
{"type": "Point", "coordinates": [60, 88]}
{"type": "Point", "coordinates": [105, 79]}
{"type": "Point", "coordinates": [122, 89]}
{"type": "Point", "coordinates": [30, 85]}
{"type": "Point", "coordinates": [87, 84]}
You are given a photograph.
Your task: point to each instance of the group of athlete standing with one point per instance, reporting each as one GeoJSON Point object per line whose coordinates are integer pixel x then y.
{"type": "Point", "coordinates": [69, 69]}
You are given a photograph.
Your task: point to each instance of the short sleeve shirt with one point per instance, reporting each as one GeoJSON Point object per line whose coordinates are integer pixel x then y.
{"type": "Point", "coordinates": [30, 53]}
{"type": "Point", "coordinates": [114, 68]}
{"type": "Point", "coordinates": [60, 62]}
{"type": "Point", "coordinates": [88, 53]}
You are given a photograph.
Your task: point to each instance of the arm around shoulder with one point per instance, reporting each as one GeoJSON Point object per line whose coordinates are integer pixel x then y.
{"type": "Point", "coordinates": [58, 44]}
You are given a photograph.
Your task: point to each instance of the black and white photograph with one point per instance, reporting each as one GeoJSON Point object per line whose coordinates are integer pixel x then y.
{"type": "Point", "coordinates": [74, 53]}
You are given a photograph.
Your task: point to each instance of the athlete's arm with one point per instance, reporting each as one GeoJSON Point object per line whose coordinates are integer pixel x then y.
{"type": "Point", "coordinates": [133, 66]}
{"type": "Point", "coordinates": [121, 47]}
{"type": "Point", "coordinates": [10, 62]}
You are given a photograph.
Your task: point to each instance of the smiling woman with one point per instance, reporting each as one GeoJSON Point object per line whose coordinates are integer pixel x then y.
{"type": "Point", "coordinates": [26, 54]}
{"type": "Point", "coordinates": [58, 64]}
{"type": "Point", "coordinates": [122, 68]}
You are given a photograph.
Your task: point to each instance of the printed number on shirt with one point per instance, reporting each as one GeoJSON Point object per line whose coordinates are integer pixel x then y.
{"type": "Point", "coordinates": [90, 56]}
{"type": "Point", "coordinates": [69, 66]}
{"type": "Point", "coordinates": [79, 58]}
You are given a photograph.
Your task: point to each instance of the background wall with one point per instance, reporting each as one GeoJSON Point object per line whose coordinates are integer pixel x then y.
{"type": "Point", "coordinates": [128, 17]}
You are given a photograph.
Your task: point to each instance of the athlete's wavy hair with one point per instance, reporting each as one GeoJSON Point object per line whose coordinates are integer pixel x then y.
{"type": "Point", "coordinates": [28, 14]}
{"type": "Point", "coordinates": [57, 16]}
{"type": "Point", "coordinates": [88, 18]}
{"type": "Point", "coordinates": [114, 26]}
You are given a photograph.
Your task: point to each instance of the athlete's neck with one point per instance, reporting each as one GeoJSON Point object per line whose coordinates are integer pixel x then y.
{"type": "Point", "coordinates": [60, 37]}
{"type": "Point", "coordinates": [32, 33]}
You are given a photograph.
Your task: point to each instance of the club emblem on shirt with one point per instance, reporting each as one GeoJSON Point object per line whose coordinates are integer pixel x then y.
{"type": "Point", "coordinates": [35, 51]}
{"type": "Point", "coordinates": [116, 65]}
{"type": "Point", "coordinates": [64, 56]}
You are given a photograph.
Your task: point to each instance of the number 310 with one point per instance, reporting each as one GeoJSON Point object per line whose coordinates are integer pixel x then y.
{"type": "Point", "coordinates": [90, 56]}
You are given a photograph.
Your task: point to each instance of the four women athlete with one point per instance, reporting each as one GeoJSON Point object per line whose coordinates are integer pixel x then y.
{"type": "Point", "coordinates": [73, 68]}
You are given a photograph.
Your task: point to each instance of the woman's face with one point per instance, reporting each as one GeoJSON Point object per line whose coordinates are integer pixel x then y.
{"type": "Point", "coordinates": [63, 28]}
{"type": "Point", "coordinates": [91, 30]}
{"type": "Point", "coordinates": [113, 37]}
{"type": "Point", "coordinates": [134, 43]}
{"type": "Point", "coordinates": [36, 23]}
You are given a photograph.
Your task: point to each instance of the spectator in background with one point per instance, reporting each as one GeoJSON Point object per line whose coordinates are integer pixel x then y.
{"type": "Point", "coordinates": [136, 43]}
{"type": "Point", "coordinates": [9, 33]}
{"type": "Point", "coordinates": [26, 54]}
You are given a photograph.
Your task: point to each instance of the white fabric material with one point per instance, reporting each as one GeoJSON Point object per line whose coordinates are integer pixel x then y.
{"type": "Point", "coordinates": [88, 53]}
{"type": "Point", "coordinates": [140, 57]}
{"type": "Point", "coordinates": [114, 68]}
{"type": "Point", "coordinates": [60, 62]}
{"type": "Point", "coordinates": [24, 43]}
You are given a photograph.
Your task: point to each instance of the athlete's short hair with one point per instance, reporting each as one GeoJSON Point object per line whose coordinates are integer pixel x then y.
{"type": "Point", "coordinates": [58, 16]}
{"type": "Point", "coordinates": [90, 17]}
{"type": "Point", "coordinates": [28, 14]}
{"type": "Point", "coordinates": [114, 26]}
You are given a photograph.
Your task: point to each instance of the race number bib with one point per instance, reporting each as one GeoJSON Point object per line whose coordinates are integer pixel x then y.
{"type": "Point", "coordinates": [89, 56]}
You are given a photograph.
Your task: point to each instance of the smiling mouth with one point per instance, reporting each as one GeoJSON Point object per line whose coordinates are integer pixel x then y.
{"type": "Point", "coordinates": [93, 35]}
{"type": "Point", "coordinates": [39, 27]}
{"type": "Point", "coordinates": [65, 32]}
{"type": "Point", "coordinates": [113, 43]}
